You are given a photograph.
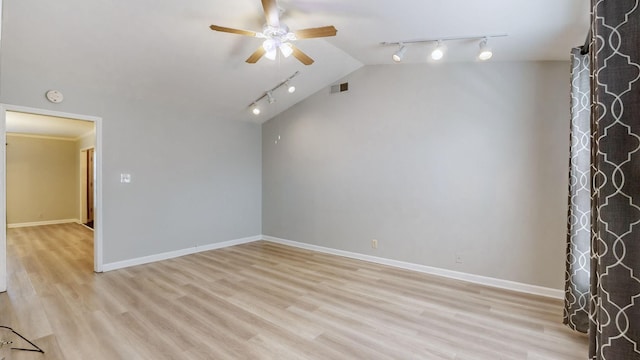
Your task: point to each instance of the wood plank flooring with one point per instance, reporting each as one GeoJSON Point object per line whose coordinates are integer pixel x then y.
{"type": "Point", "coordinates": [262, 301]}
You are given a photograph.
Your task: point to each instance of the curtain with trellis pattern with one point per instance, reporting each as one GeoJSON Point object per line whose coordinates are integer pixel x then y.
{"type": "Point", "coordinates": [615, 214]}
{"type": "Point", "coordinates": [576, 300]}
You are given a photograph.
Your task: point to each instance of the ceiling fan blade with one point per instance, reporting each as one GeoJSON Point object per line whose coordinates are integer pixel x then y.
{"type": "Point", "coordinates": [271, 12]}
{"type": "Point", "coordinates": [257, 55]}
{"type": "Point", "coordinates": [233, 31]}
{"type": "Point", "coordinates": [316, 32]}
{"type": "Point", "coordinates": [304, 58]}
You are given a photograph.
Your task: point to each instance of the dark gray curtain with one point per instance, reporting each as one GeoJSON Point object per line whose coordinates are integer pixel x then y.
{"type": "Point", "coordinates": [576, 300]}
{"type": "Point", "coordinates": [615, 215]}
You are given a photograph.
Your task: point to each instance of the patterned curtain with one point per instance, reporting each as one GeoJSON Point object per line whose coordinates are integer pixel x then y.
{"type": "Point", "coordinates": [576, 301]}
{"type": "Point", "coordinates": [615, 215]}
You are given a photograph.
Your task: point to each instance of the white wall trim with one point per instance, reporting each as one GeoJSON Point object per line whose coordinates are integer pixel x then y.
{"type": "Point", "coordinates": [41, 223]}
{"type": "Point", "coordinates": [3, 201]}
{"type": "Point", "coordinates": [177, 253]}
{"type": "Point", "coordinates": [472, 278]}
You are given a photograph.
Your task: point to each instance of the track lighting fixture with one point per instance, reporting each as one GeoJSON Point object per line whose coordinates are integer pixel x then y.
{"type": "Point", "coordinates": [397, 57]}
{"type": "Point", "coordinates": [269, 94]}
{"type": "Point", "coordinates": [438, 52]}
{"type": "Point", "coordinates": [485, 51]}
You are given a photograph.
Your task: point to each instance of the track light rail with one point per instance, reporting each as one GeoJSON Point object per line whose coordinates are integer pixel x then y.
{"type": "Point", "coordinates": [435, 40]}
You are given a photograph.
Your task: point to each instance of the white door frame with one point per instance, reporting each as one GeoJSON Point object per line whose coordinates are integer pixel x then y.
{"type": "Point", "coordinates": [97, 235]}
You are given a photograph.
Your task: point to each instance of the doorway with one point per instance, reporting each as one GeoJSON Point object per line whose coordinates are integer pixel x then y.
{"type": "Point", "coordinates": [95, 188]}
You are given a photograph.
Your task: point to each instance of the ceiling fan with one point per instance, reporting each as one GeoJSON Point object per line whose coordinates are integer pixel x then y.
{"type": "Point", "coordinates": [278, 36]}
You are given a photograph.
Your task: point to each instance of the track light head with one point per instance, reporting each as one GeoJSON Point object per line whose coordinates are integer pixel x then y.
{"type": "Point", "coordinates": [438, 52]}
{"type": "Point", "coordinates": [290, 88]}
{"type": "Point", "coordinates": [397, 57]}
{"type": "Point", "coordinates": [270, 97]}
{"type": "Point", "coordinates": [255, 109]}
{"type": "Point", "coordinates": [485, 51]}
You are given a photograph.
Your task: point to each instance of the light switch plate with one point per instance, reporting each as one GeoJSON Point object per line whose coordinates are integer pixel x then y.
{"type": "Point", "coordinates": [125, 178]}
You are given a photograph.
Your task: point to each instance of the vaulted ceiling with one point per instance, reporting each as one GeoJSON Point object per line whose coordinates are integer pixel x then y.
{"type": "Point", "coordinates": [167, 46]}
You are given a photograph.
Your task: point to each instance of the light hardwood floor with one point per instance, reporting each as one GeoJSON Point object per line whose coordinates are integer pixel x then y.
{"type": "Point", "coordinates": [262, 301]}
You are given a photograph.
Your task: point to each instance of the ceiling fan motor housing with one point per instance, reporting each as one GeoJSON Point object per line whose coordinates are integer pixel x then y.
{"type": "Point", "coordinates": [280, 33]}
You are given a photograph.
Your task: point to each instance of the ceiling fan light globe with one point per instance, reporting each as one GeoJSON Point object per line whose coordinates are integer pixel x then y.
{"type": "Point", "coordinates": [286, 49]}
{"type": "Point", "coordinates": [271, 55]}
{"type": "Point", "coordinates": [269, 45]}
{"type": "Point", "coordinates": [270, 48]}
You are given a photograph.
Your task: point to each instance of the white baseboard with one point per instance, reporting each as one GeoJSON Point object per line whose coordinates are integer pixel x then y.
{"type": "Point", "coordinates": [477, 279]}
{"type": "Point", "coordinates": [472, 278]}
{"type": "Point", "coordinates": [41, 223]}
{"type": "Point", "coordinates": [177, 253]}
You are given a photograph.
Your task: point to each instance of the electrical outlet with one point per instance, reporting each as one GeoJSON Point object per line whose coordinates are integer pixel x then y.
{"type": "Point", "coordinates": [458, 257]}
{"type": "Point", "coordinates": [374, 243]}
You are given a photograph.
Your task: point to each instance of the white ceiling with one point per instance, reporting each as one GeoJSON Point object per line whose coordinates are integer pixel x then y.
{"type": "Point", "coordinates": [23, 123]}
{"type": "Point", "coordinates": [167, 45]}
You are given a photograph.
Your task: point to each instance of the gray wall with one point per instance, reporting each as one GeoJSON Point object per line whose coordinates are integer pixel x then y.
{"type": "Point", "coordinates": [196, 176]}
{"type": "Point", "coordinates": [429, 160]}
